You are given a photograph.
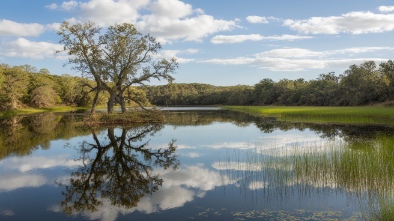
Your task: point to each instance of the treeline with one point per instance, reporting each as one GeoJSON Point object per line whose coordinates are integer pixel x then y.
{"type": "Point", "coordinates": [359, 85]}
{"type": "Point", "coordinates": [24, 86]}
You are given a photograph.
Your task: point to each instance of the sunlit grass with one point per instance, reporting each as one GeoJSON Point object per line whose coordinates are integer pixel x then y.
{"type": "Point", "coordinates": [348, 115]}
{"type": "Point", "coordinates": [24, 111]}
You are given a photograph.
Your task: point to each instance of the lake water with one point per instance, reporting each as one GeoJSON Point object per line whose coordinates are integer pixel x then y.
{"type": "Point", "coordinates": [205, 164]}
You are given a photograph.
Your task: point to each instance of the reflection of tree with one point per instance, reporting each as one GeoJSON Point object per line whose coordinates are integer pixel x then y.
{"type": "Point", "coordinates": [120, 171]}
{"type": "Point", "coordinates": [20, 135]}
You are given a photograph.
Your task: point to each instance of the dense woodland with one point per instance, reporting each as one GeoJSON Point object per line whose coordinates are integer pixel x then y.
{"type": "Point", "coordinates": [368, 83]}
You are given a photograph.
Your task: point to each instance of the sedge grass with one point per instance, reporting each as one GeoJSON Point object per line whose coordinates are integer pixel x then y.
{"type": "Point", "coordinates": [347, 115]}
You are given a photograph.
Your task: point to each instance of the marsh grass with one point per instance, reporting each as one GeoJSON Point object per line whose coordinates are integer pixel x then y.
{"type": "Point", "coordinates": [348, 115]}
{"type": "Point", "coordinates": [362, 169]}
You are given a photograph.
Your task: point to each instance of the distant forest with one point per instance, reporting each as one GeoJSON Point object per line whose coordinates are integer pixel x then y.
{"type": "Point", "coordinates": [364, 84]}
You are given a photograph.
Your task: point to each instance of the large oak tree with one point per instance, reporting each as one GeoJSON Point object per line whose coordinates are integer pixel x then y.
{"type": "Point", "coordinates": [116, 58]}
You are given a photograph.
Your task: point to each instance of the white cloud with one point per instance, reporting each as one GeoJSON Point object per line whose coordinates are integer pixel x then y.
{"type": "Point", "coordinates": [24, 48]}
{"type": "Point", "coordinates": [386, 8]}
{"type": "Point", "coordinates": [167, 20]}
{"type": "Point", "coordinates": [11, 28]}
{"type": "Point", "coordinates": [256, 19]}
{"type": "Point", "coordinates": [175, 54]}
{"type": "Point", "coordinates": [289, 53]}
{"type": "Point", "coordinates": [353, 22]}
{"type": "Point", "coordinates": [171, 9]}
{"type": "Point", "coordinates": [52, 6]}
{"type": "Point", "coordinates": [168, 29]}
{"type": "Point", "coordinates": [109, 12]}
{"type": "Point", "coordinates": [69, 5]}
{"type": "Point", "coordinates": [298, 59]}
{"type": "Point", "coordinates": [229, 39]}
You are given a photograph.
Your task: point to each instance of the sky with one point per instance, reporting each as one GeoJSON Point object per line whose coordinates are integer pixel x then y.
{"type": "Point", "coordinates": [219, 42]}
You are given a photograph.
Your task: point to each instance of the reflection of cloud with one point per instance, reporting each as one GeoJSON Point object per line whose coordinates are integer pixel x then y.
{"type": "Point", "coordinates": [179, 187]}
{"type": "Point", "coordinates": [194, 177]}
{"type": "Point", "coordinates": [9, 183]}
{"type": "Point", "coordinates": [7, 212]}
{"type": "Point", "coordinates": [255, 185]}
{"type": "Point", "coordinates": [297, 148]}
{"type": "Point", "coordinates": [165, 199]}
{"type": "Point", "coordinates": [25, 164]}
{"type": "Point", "coordinates": [192, 155]}
{"type": "Point", "coordinates": [237, 145]}
{"type": "Point", "coordinates": [251, 166]}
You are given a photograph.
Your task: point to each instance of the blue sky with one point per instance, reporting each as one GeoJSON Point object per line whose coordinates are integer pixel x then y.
{"type": "Point", "coordinates": [219, 42]}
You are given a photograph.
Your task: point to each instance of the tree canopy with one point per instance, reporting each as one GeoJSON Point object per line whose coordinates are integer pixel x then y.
{"type": "Point", "coordinates": [115, 59]}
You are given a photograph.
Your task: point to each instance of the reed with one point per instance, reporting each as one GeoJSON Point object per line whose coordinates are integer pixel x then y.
{"type": "Point", "coordinates": [362, 169]}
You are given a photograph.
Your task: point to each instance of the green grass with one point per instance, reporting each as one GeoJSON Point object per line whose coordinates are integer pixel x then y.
{"type": "Point", "coordinates": [348, 115]}
{"type": "Point", "coordinates": [24, 111]}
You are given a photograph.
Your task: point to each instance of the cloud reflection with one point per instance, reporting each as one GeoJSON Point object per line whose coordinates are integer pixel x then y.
{"type": "Point", "coordinates": [9, 183]}
{"type": "Point", "coordinates": [179, 187]}
{"type": "Point", "coordinates": [25, 164]}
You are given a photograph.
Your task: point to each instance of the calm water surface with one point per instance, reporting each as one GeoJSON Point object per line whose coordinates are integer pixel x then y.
{"type": "Point", "coordinates": [202, 164]}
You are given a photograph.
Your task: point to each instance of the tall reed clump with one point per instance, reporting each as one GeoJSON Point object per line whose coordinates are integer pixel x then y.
{"type": "Point", "coordinates": [363, 169]}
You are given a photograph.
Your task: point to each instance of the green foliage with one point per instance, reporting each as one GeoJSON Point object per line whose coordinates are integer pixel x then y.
{"type": "Point", "coordinates": [43, 96]}
{"type": "Point", "coordinates": [116, 59]}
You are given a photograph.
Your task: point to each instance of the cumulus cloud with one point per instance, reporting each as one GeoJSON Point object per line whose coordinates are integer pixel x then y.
{"type": "Point", "coordinates": [298, 59]}
{"type": "Point", "coordinates": [176, 53]}
{"type": "Point", "coordinates": [353, 22]}
{"type": "Point", "coordinates": [229, 39]}
{"type": "Point", "coordinates": [168, 29]}
{"type": "Point", "coordinates": [102, 11]}
{"type": "Point", "coordinates": [11, 28]}
{"type": "Point", "coordinates": [256, 19]}
{"type": "Point", "coordinates": [171, 9]}
{"type": "Point", "coordinates": [52, 6]}
{"type": "Point", "coordinates": [167, 20]}
{"type": "Point", "coordinates": [386, 8]}
{"type": "Point", "coordinates": [69, 5]}
{"type": "Point", "coordinates": [24, 48]}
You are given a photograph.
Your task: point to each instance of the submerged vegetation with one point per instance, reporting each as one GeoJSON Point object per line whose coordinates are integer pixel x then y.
{"type": "Point", "coordinates": [342, 115]}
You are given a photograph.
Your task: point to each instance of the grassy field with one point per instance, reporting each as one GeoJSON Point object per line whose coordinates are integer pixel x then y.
{"type": "Point", "coordinates": [39, 110]}
{"type": "Point", "coordinates": [348, 115]}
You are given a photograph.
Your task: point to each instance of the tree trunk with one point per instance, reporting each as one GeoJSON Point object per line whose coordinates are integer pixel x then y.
{"type": "Point", "coordinates": [93, 110]}
{"type": "Point", "coordinates": [111, 103]}
{"type": "Point", "coordinates": [122, 103]}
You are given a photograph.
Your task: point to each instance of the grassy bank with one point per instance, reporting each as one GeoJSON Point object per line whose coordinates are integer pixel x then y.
{"type": "Point", "coordinates": [24, 111]}
{"type": "Point", "coordinates": [348, 115]}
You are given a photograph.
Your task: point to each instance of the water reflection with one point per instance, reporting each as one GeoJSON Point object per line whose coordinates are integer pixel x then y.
{"type": "Point", "coordinates": [117, 168]}
{"type": "Point", "coordinates": [363, 170]}
{"type": "Point", "coordinates": [233, 166]}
